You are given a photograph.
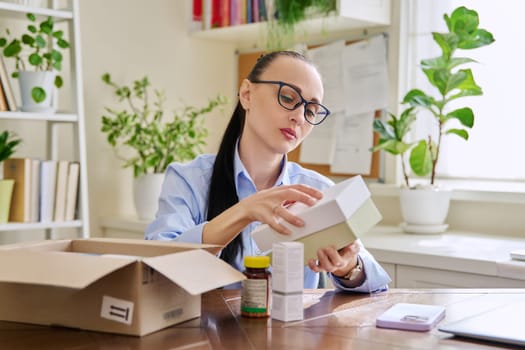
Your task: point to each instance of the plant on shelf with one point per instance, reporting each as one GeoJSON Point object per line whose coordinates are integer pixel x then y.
{"type": "Point", "coordinates": [37, 50]}
{"type": "Point", "coordinates": [8, 144]}
{"type": "Point", "coordinates": [287, 14]}
{"type": "Point", "coordinates": [451, 83]}
{"type": "Point", "coordinates": [141, 136]}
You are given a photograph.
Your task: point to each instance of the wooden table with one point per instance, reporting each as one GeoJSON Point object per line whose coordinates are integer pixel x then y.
{"type": "Point", "coordinates": [332, 320]}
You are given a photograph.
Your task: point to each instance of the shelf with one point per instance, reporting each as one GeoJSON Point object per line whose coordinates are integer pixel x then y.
{"type": "Point", "coordinates": [351, 15]}
{"type": "Point", "coordinates": [19, 11]}
{"type": "Point", "coordinates": [49, 146]}
{"type": "Point", "coordinates": [17, 226]}
{"type": "Point", "coordinates": [55, 117]}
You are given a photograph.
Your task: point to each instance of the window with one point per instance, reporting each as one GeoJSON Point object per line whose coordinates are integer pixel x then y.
{"type": "Point", "coordinates": [494, 151]}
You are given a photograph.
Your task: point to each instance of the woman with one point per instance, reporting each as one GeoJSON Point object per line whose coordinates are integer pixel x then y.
{"type": "Point", "coordinates": [221, 199]}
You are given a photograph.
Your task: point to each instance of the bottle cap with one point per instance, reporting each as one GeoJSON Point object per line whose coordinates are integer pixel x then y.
{"type": "Point", "coordinates": [257, 261]}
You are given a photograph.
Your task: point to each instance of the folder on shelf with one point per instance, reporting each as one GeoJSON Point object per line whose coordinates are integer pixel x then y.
{"type": "Point", "coordinates": [72, 190]}
{"type": "Point", "coordinates": [19, 169]}
{"type": "Point", "coordinates": [61, 188]}
{"type": "Point", "coordinates": [34, 211]}
{"type": "Point", "coordinates": [48, 178]}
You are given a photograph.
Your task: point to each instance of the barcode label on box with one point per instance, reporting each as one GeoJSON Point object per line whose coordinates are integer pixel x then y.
{"type": "Point", "coordinates": [173, 313]}
{"type": "Point", "coordinates": [117, 309]}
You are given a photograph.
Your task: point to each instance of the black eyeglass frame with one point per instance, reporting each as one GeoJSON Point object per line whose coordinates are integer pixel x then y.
{"type": "Point", "coordinates": [303, 102]}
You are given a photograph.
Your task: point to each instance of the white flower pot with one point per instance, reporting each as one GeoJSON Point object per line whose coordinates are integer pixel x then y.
{"type": "Point", "coordinates": [29, 80]}
{"type": "Point", "coordinates": [146, 192]}
{"type": "Point", "coordinates": [424, 209]}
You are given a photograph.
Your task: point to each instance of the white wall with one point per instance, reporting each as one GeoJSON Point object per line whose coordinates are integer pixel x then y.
{"type": "Point", "coordinates": [130, 39]}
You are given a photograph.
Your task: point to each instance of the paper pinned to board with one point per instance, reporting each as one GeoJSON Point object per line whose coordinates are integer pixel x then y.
{"type": "Point", "coordinates": [365, 76]}
{"type": "Point", "coordinates": [355, 81]}
{"type": "Point", "coordinates": [354, 137]}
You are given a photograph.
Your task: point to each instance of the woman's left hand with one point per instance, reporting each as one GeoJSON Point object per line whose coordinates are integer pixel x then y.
{"type": "Point", "coordinates": [338, 262]}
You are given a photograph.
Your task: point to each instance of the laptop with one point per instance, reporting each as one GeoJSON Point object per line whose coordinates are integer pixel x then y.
{"type": "Point", "coordinates": [503, 324]}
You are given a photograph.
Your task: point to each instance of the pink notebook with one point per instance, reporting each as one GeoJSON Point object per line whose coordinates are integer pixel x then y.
{"type": "Point", "coordinates": [412, 317]}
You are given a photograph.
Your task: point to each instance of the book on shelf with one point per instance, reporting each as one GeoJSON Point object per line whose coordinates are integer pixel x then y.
{"type": "Point", "coordinates": [72, 190]}
{"type": "Point", "coordinates": [48, 177]}
{"type": "Point", "coordinates": [224, 15]}
{"type": "Point", "coordinates": [34, 211]}
{"type": "Point", "coordinates": [61, 189]}
{"type": "Point", "coordinates": [5, 82]}
{"type": "Point", "coordinates": [19, 169]}
{"type": "Point", "coordinates": [3, 101]}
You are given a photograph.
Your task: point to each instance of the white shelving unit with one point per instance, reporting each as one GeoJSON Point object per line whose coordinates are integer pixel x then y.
{"type": "Point", "coordinates": [350, 16]}
{"type": "Point", "coordinates": [68, 14]}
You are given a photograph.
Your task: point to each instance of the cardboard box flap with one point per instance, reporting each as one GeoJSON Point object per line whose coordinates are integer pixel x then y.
{"type": "Point", "coordinates": [60, 269]}
{"type": "Point", "coordinates": [196, 271]}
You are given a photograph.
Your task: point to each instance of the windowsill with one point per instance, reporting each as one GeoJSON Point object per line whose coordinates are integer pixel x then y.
{"type": "Point", "coordinates": [480, 191]}
{"type": "Point", "coordinates": [454, 250]}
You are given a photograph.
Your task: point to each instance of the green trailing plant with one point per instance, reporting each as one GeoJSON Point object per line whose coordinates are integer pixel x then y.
{"type": "Point", "coordinates": [142, 137]}
{"type": "Point", "coordinates": [451, 83]}
{"type": "Point", "coordinates": [39, 47]}
{"type": "Point", "coordinates": [287, 14]}
{"type": "Point", "coordinates": [8, 144]}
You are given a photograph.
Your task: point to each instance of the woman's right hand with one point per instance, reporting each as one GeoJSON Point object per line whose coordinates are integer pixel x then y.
{"type": "Point", "coordinates": [268, 206]}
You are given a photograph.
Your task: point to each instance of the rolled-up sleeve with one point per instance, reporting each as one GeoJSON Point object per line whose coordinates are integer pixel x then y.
{"type": "Point", "coordinates": [181, 213]}
{"type": "Point", "coordinates": [376, 278]}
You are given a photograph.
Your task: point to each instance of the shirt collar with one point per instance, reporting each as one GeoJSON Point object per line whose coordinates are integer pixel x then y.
{"type": "Point", "coordinates": [239, 169]}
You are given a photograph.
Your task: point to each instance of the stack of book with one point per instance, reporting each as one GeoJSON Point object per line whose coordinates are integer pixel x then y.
{"type": "Point", "coordinates": [209, 14]}
{"type": "Point", "coordinates": [44, 190]}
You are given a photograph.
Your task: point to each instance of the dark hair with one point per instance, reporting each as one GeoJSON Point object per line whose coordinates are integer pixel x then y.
{"type": "Point", "coordinates": [223, 194]}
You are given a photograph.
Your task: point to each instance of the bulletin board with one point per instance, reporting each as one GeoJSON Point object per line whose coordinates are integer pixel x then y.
{"type": "Point", "coordinates": [245, 63]}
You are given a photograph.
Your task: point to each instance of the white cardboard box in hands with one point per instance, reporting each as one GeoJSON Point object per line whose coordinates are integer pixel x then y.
{"type": "Point", "coordinates": [345, 212]}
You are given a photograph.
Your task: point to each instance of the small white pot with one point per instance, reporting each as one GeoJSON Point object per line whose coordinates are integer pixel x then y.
{"type": "Point", "coordinates": [29, 80]}
{"type": "Point", "coordinates": [424, 209]}
{"type": "Point", "coordinates": [146, 192]}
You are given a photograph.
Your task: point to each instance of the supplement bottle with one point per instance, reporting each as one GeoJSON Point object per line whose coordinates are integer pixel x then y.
{"type": "Point", "coordinates": [255, 295]}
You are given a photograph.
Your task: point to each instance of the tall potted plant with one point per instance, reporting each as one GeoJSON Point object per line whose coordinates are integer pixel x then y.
{"type": "Point", "coordinates": [8, 144]}
{"type": "Point", "coordinates": [145, 140]}
{"type": "Point", "coordinates": [38, 57]}
{"type": "Point", "coordinates": [425, 208]}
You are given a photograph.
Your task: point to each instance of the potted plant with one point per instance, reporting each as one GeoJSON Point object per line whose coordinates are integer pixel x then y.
{"type": "Point", "coordinates": [38, 57]}
{"type": "Point", "coordinates": [286, 14]}
{"type": "Point", "coordinates": [148, 142]}
{"type": "Point", "coordinates": [8, 144]}
{"type": "Point", "coordinates": [451, 83]}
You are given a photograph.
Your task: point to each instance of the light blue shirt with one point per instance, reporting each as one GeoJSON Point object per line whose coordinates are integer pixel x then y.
{"type": "Point", "coordinates": [183, 212]}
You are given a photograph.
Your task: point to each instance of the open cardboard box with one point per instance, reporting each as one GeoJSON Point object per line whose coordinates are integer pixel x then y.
{"type": "Point", "coordinates": [345, 213]}
{"type": "Point", "coordinates": [121, 286]}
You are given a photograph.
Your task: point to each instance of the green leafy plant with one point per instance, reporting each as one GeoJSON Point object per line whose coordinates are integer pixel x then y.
{"type": "Point", "coordinates": [142, 138]}
{"type": "Point", "coordinates": [40, 46]}
{"type": "Point", "coordinates": [452, 83]}
{"type": "Point", "coordinates": [288, 13]}
{"type": "Point", "coordinates": [8, 144]}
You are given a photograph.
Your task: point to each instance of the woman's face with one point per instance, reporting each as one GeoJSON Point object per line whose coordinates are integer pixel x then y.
{"type": "Point", "coordinates": [270, 125]}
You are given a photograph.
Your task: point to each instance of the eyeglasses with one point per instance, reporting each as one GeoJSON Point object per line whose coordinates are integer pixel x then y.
{"type": "Point", "coordinates": [289, 98]}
